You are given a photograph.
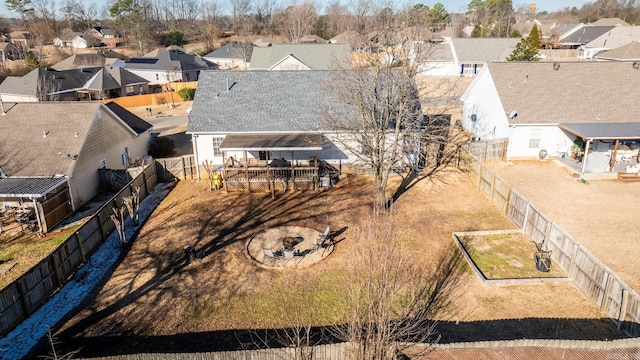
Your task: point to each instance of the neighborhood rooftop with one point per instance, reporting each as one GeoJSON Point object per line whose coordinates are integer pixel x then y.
{"type": "Point", "coordinates": [280, 101]}
{"type": "Point", "coordinates": [569, 92]}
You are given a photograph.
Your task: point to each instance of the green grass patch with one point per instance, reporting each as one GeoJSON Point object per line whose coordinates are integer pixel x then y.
{"type": "Point", "coordinates": [506, 256]}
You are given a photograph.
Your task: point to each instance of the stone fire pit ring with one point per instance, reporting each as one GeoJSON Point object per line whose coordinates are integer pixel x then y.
{"type": "Point", "coordinates": [299, 241]}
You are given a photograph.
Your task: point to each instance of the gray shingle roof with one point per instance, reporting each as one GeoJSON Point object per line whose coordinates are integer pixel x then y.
{"type": "Point", "coordinates": [578, 92]}
{"type": "Point", "coordinates": [25, 151]}
{"type": "Point", "coordinates": [483, 49]}
{"type": "Point", "coordinates": [585, 35]}
{"type": "Point", "coordinates": [616, 37]}
{"type": "Point", "coordinates": [170, 60]}
{"type": "Point", "coordinates": [258, 101]}
{"type": "Point", "coordinates": [315, 56]}
{"type": "Point", "coordinates": [136, 123]}
{"type": "Point", "coordinates": [630, 51]}
{"type": "Point", "coordinates": [232, 50]}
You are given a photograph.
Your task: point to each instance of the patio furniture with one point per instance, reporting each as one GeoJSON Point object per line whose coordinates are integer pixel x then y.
{"type": "Point", "coordinates": [322, 238]}
{"type": "Point", "coordinates": [288, 254]}
{"type": "Point", "coordinates": [273, 255]}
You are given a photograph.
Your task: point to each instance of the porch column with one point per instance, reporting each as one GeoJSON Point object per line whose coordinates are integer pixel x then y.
{"type": "Point", "coordinates": [224, 173]}
{"type": "Point", "coordinates": [35, 209]}
{"type": "Point", "coordinates": [269, 179]}
{"type": "Point", "coordinates": [293, 172]}
{"type": "Point", "coordinates": [613, 156]}
{"type": "Point", "coordinates": [246, 168]}
{"type": "Point", "coordinates": [586, 153]}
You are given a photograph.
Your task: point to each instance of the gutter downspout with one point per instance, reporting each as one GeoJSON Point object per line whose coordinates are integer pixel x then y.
{"type": "Point", "coordinates": [194, 140]}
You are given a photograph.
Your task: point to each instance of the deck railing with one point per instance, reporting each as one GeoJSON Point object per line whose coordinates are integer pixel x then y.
{"type": "Point", "coordinates": [258, 179]}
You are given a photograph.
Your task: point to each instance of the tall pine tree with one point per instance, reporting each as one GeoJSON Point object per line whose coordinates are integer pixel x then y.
{"type": "Point", "coordinates": [527, 48]}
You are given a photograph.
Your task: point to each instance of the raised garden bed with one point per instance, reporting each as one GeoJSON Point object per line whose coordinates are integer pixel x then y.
{"type": "Point", "coordinates": [504, 257]}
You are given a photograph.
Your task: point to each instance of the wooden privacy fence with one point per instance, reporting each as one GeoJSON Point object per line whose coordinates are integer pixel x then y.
{"type": "Point", "coordinates": [488, 149]}
{"type": "Point", "coordinates": [181, 167]}
{"type": "Point", "coordinates": [596, 280]}
{"type": "Point", "coordinates": [25, 295]}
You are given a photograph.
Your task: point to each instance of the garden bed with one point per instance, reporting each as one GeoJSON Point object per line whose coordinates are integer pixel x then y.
{"type": "Point", "coordinates": [504, 256]}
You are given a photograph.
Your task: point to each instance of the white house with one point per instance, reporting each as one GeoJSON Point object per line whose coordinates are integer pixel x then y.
{"type": "Point", "coordinates": [300, 57]}
{"type": "Point", "coordinates": [546, 106]}
{"type": "Point", "coordinates": [612, 39]}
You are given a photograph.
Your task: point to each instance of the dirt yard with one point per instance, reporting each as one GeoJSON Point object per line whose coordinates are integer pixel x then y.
{"type": "Point", "coordinates": [152, 302]}
{"type": "Point", "coordinates": [600, 214]}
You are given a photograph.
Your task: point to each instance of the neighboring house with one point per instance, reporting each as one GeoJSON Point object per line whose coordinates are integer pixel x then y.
{"type": "Point", "coordinates": [312, 39]}
{"type": "Point", "coordinates": [265, 42]}
{"type": "Point", "coordinates": [352, 38]}
{"type": "Point", "coordinates": [612, 39]}
{"type": "Point", "coordinates": [232, 55]}
{"type": "Point", "coordinates": [72, 85]}
{"type": "Point", "coordinates": [300, 57]}
{"type": "Point", "coordinates": [629, 52]}
{"type": "Point", "coordinates": [103, 36]}
{"type": "Point", "coordinates": [21, 39]}
{"type": "Point", "coordinates": [69, 40]}
{"type": "Point", "coordinates": [463, 56]}
{"type": "Point", "coordinates": [610, 22]}
{"type": "Point", "coordinates": [99, 59]}
{"type": "Point", "coordinates": [544, 106]}
{"type": "Point", "coordinates": [52, 147]}
{"type": "Point", "coordinates": [582, 36]}
{"type": "Point", "coordinates": [168, 66]}
{"type": "Point", "coordinates": [8, 51]}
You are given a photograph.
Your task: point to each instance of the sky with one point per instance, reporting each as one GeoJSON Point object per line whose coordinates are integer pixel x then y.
{"type": "Point", "coordinates": [450, 5]}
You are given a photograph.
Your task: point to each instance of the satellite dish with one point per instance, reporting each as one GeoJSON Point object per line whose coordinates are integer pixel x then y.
{"type": "Point", "coordinates": [474, 117]}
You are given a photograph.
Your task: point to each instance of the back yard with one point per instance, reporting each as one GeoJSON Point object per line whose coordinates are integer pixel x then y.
{"type": "Point", "coordinates": [153, 303]}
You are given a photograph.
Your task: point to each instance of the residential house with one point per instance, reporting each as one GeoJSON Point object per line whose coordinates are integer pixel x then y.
{"type": "Point", "coordinates": [610, 22]}
{"type": "Point", "coordinates": [21, 39]}
{"type": "Point", "coordinates": [312, 39]}
{"type": "Point", "coordinates": [543, 107]}
{"type": "Point", "coordinates": [52, 147]}
{"type": "Point", "coordinates": [462, 56]}
{"type": "Point", "coordinates": [168, 66]}
{"type": "Point", "coordinates": [99, 59]}
{"type": "Point", "coordinates": [232, 55]}
{"type": "Point", "coordinates": [70, 40]}
{"type": "Point", "coordinates": [300, 57]}
{"type": "Point", "coordinates": [612, 39]}
{"type": "Point", "coordinates": [629, 52]}
{"type": "Point", "coordinates": [582, 36]}
{"type": "Point", "coordinates": [103, 36]}
{"type": "Point", "coordinates": [253, 117]}
{"type": "Point", "coordinates": [72, 85]}
{"type": "Point", "coordinates": [265, 42]}
{"type": "Point", "coordinates": [8, 51]}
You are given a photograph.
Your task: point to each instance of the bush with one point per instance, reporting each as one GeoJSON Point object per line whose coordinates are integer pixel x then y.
{"type": "Point", "coordinates": [187, 94]}
{"type": "Point", "coordinates": [162, 147]}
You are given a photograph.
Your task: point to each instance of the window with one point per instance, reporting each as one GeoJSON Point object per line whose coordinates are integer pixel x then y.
{"type": "Point", "coordinates": [534, 138]}
{"type": "Point", "coordinates": [263, 155]}
{"type": "Point", "coordinates": [217, 141]}
{"type": "Point", "coordinates": [103, 164]}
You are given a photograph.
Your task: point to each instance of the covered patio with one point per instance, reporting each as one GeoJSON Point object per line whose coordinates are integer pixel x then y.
{"type": "Point", "coordinates": [37, 204]}
{"type": "Point", "coordinates": [265, 172]}
{"type": "Point", "coordinates": [608, 148]}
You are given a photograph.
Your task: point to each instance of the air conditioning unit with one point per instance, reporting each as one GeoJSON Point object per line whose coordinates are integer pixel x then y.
{"type": "Point", "coordinates": [543, 154]}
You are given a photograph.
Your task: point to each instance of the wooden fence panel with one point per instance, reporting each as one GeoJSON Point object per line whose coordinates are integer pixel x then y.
{"type": "Point", "coordinates": [11, 306]}
{"type": "Point", "coordinates": [630, 323]}
{"type": "Point", "coordinates": [474, 172]}
{"type": "Point", "coordinates": [56, 208]}
{"type": "Point", "coordinates": [68, 258]}
{"type": "Point", "coordinates": [36, 285]}
{"type": "Point", "coordinates": [500, 196]}
{"type": "Point", "coordinates": [536, 224]}
{"type": "Point", "coordinates": [486, 181]}
{"type": "Point", "coordinates": [612, 302]}
{"type": "Point", "coordinates": [589, 276]}
{"type": "Point", "coordinates": [562, 247]}
{"type": "Point", "coordinates": [517, 210]}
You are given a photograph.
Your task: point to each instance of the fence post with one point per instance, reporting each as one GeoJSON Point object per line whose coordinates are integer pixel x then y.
{"type": "Point", "coordinates": [493, 187]}
{"type": "Point", "coordinates": [623, 307]}
{"type": "Point", "coordinates": [56, 270]}
{"type": "Point", "coordinates": [605, 294]}
{"type": "Point", "coordinates": [572, 265]}
{"type": "Point", "coordinates": [144, 181]}
{"type": "Point", "coordinates": [79, 241]}
{"type": "Point", "coordinates": [23, 298]}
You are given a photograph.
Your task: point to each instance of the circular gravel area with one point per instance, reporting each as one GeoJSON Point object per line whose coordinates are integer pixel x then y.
{"type": "Point", "coordinates": [305, 251]}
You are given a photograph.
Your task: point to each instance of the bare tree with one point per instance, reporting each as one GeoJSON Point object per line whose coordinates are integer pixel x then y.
{"type": "Point", "coordinates": [133, 205]}
{"type": "Point", "coordinates": [381, 115]}
{"type": "Point", "coordinates": [300, 21]}
{"type": "Point", "coordinates": [392, 300]}
{"type": "Point", "coordinates": [118, 220]}
{"type": "Point", "coordinates": [53, 354]}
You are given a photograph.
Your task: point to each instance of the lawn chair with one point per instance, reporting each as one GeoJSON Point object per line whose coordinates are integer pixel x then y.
{"type": "Point", "coordinates": [288, 254]}
{"type": "Point", "coordinates": [272, 255]}
{"type": "Point", "coordinates": [322, 238]}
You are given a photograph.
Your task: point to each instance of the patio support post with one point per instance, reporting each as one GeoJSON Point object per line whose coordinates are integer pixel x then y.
{"type": "Point", "coordinates": [586, 154]}
{"type": "Point", "coordinates": [246, 168]}
{"type": "Point", "coordinates": [36, 210]}
{"type": "Point", "coordinates": [315, 170]}
{"type": "Point", "coordinates": [224, 172]}
{"type": "Point", "coordinates": [293, 172]}
{"type": "Point", "coordinates": [614, 154]}
{"type": "Point", "coordinates": [269, 178]}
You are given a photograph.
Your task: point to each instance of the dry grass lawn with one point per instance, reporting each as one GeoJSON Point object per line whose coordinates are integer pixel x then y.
{"type": "Point", "coordinates": [153, 303]}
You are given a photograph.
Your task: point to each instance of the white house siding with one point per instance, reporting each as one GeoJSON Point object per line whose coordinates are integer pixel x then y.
{"type": "Point", "coordinates": [482, 99]}
{"type": "Point", "coordinates": [439, 69]}
{"type": "Point", "coordinates": [522, 144]}
{"type": "Point", "coordinates": [106, 140]}
{"type": "Point", "coordinates": [78, 43]}
{"type": "Point", "coordinates": [290, 63]}
{"type": "Point", "coordinates": [9, 98]}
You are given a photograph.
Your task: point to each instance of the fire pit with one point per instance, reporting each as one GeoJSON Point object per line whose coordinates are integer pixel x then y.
{"type": "Point", "coordinates": [289, 242]}
{"type": "Point", "coordinates": [296, 245]}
